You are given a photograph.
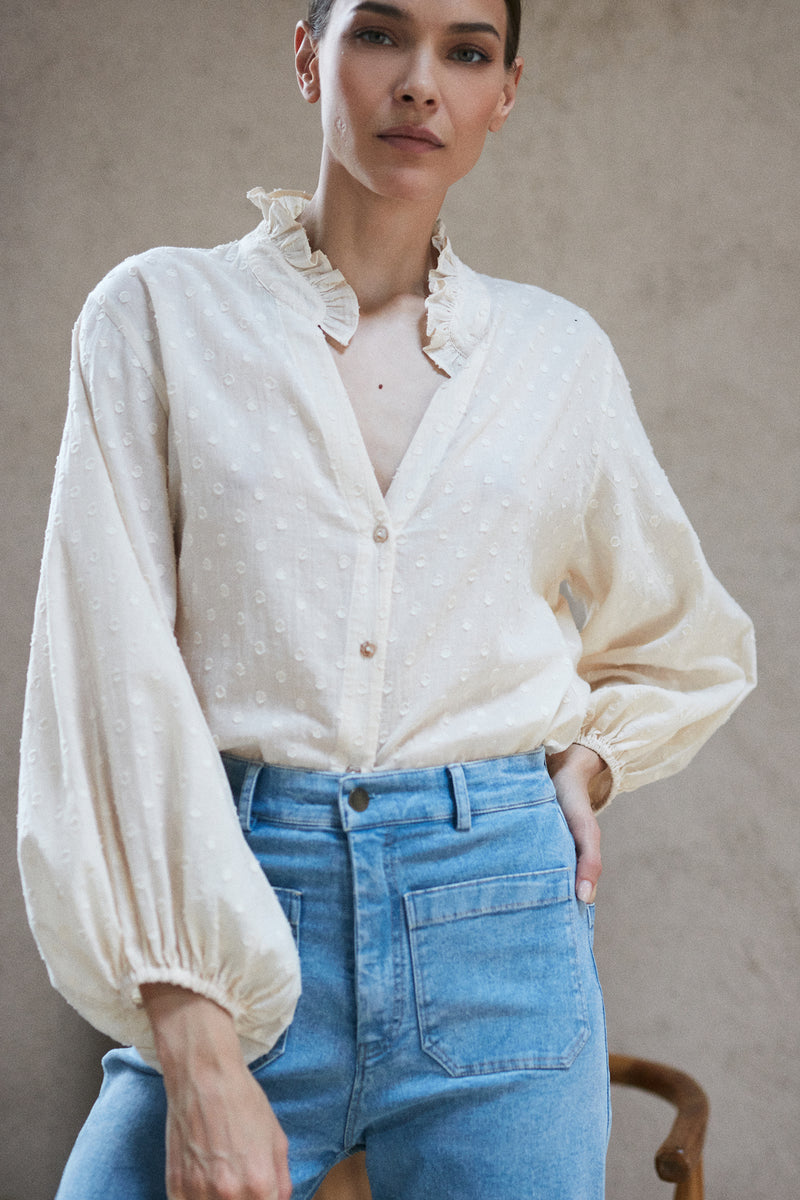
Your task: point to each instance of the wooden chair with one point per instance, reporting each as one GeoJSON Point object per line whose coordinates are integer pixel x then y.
{"type": "Point", "coordinates": [679, 1159]}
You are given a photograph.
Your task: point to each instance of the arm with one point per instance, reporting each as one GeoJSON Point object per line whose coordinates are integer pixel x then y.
{"type": "Point", "coordinates": [223, 1139]}
{"type": "Point", "coordinates": [134, 866]}
{"type": "Point", "coordinates": [666, 653]}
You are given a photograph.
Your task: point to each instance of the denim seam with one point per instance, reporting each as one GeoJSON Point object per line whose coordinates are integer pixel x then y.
{"type": "Point", "coordinates": [328, 823]}
{"type": "Point", "coordinates": [398, 938]}
{"type": "Point", "coordinates": [488, 911]}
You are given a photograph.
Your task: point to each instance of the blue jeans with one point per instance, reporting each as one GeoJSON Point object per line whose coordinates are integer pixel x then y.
{"type": "Point", "coordinates": [451, 1021]}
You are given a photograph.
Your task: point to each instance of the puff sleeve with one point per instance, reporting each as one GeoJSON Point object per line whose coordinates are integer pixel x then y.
{"type": "Point", "coordinates": [666, 652]}
{"type": "Point", "coordinates": [134, 866]}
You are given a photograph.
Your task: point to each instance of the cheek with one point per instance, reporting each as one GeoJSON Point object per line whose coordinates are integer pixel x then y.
{"type": "Point", "coordinates": [337, 112]}
{"type": "Point", "coordinates": [356, 91]}
{"type": "Point", "coordinates": [475, 130]}
{"type": "Point", "coordinates": [472, 114]}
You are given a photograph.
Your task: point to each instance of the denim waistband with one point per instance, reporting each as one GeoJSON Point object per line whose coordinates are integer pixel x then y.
{"type": "Point", "coordinates": [329, 800]}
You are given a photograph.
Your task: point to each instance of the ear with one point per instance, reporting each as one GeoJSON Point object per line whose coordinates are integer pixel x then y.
{"type": "Point", "coordinates": [509, 95]}
{"type": "Point", "coordinates": [306, 62]}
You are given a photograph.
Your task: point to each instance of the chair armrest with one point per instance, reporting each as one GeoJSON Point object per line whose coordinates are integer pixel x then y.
{"type": "Point", "coordinates": [682, 1150]}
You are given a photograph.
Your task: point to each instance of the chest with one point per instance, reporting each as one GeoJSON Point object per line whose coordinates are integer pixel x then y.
{"type": "Point", "coordinates": [272, 422]}
{"type": "Point", "coordinates": [390, 383]}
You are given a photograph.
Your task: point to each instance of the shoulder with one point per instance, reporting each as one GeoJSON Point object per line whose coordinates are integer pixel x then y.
{"type": "Point", "coordinates": [150, 298]}
{"type": "Point", "coordinates": [538, 335]}
{"type": "Point", "coordinates": [526, 308]}
{"type": "Point", "coordinates": [162, 275]}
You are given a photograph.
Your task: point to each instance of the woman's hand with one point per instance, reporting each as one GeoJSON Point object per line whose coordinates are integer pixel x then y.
{"type": "Point", "coordinates": [223, 1139]}
{"type": "Point", "coordinates": [572, 772]}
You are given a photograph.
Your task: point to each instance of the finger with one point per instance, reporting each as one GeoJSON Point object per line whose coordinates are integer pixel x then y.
{"type": "Point", "coordinates": [284, 1182]}
{"type": "Point", "coordinates": [589, 868]}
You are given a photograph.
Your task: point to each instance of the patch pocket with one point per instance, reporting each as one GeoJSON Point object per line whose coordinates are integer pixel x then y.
{"type": "Point", "coordinates": [496, 975]}
{"type": "Point", "coordinates": [289, 901]}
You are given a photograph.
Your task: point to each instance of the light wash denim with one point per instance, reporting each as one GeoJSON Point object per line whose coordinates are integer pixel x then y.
{"type": "Point", "coordinates": [451, 1021]}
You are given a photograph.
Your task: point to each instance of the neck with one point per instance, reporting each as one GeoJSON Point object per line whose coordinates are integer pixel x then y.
{"type": "Point", "coordinates": [382, 246]}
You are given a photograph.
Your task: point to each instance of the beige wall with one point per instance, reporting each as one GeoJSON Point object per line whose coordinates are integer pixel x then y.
{"type": "Point", "coordinates": [650, 173]}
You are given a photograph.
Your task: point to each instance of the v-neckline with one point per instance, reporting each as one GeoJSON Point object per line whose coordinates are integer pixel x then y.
{"type": "Point", "coordinates": [458, 316]}
{"type": "Point", "coordinates": [349, 426]}
{"type": "Point", "coordinates": [348, 451]}
{"type": "Point", "coordinates": [356, 434]}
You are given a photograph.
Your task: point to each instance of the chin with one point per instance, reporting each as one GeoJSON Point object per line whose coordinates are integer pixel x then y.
{"type": "Point", "coordinates": [409, 185]}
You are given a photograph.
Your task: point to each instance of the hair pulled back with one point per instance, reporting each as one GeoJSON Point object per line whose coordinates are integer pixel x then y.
{"type": "Point", "coordinates": [319, 12]}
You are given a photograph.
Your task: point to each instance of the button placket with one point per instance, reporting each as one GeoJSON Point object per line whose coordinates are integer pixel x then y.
{"type": "Point", "coordinates": [367, 633]}
{"type": "Point", "coordinates": [380, 535]}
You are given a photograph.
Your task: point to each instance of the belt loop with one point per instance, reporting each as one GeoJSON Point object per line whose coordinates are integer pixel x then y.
{"type": "Point", "coordinates": [244, 803]}
{"type": "Point", "coordinates": [461, 795]}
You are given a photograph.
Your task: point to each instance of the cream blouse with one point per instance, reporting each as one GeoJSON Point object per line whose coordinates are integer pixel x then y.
{"type": "Point", "coordinates": [222, 572]}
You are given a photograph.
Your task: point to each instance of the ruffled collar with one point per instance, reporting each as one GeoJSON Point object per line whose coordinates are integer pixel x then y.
{"type": "Point", "coordinates": [457, 305]}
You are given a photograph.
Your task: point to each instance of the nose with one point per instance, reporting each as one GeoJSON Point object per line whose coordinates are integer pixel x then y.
{"type": "Point", "coordinates": [418, 86]}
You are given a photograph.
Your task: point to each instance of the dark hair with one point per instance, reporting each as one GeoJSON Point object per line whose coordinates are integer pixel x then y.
{"type": "Point", "coordinates": [319, 12]}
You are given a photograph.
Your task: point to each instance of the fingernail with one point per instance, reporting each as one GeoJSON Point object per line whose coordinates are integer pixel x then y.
{"type": "Point", "coordinates": [585, 891]}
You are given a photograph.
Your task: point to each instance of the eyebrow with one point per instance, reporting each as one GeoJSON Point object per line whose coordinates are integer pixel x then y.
{"type": "Point", "coordinates": [399, 14]}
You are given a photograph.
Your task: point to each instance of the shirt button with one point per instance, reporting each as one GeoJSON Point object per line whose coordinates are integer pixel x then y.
{"type": "Point", "coordinates": [380, 533]}
{"type": "Point", "coordinates": [367, 649]}
{"type": "Point", "coordinates": [358, 799]}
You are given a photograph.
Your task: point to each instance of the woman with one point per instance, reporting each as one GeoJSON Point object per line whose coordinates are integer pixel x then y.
{"type": "Point", "coordinates": [325, 500]}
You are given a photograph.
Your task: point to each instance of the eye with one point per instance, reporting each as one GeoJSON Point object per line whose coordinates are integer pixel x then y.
{"type": "Point", "coordinates": [469, 55]}
{"type": "Point", "coordinates": [373, 37]}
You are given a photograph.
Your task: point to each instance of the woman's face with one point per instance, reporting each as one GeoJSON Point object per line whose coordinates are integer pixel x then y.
{"type": "Point", "coordinates": [408, 90]}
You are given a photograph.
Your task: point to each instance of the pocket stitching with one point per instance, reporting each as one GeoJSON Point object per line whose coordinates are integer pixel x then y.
{"type": "Point", "coordinates": [432, 1043]}
{"type": "Point", "coordinates": [290, 901]}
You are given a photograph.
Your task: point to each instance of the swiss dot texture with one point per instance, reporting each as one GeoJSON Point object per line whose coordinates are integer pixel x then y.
{"type": "Point", "coordinates": [222, 572]}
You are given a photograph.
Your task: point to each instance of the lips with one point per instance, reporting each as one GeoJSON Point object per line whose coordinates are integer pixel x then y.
{"type": "Point", "coordinates": [413, 135]}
